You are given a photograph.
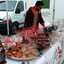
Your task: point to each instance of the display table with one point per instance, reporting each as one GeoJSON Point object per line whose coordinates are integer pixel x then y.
{"type": "Point", "coordinates": [51, 56]}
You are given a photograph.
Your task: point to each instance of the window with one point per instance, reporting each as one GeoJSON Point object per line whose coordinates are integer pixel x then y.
{"type": "Point", "coordinates": [20, 6]}
{"type": "Point", "coordinates": [11, 5]}
{"type": "Point", "coordinates": [2, 6]}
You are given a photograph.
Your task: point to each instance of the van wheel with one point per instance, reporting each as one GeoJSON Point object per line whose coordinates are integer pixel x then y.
{"type": "Point", "coordinates": [15, 26]}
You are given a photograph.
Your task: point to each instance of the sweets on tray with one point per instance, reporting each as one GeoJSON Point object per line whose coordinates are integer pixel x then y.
{"type": "Point", "coordinates": [42, 40]}
{"type": "Point", "coordinates": [26, 49]}
{"type": "Point", "coordinates": [23, 51]}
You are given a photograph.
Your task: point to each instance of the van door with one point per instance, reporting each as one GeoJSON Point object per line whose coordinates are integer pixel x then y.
{"type": "Point", "coordinates": [19, 12]}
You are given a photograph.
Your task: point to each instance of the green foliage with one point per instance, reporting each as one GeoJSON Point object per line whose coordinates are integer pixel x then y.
{"type": "Point", "coordinates": [46, 3]}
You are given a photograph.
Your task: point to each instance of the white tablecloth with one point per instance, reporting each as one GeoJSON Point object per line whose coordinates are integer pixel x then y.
{"type": "Point", "coordinates": [52, 56]}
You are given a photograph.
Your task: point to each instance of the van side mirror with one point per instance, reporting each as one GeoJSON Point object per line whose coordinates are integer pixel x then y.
{"type": "Point", "coordinates": [17, 11]}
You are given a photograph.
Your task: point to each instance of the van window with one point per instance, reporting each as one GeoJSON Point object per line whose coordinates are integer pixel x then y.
{"type": "Point", "coordinates": [20, 6]}
{"type": "Point", "coordinates": [11, 6]}
{"type": "Point", "coordinates": [3, 6]}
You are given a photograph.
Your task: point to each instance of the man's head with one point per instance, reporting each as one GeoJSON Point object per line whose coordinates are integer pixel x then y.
{"type": "Point", "coordinates": [39, 5]}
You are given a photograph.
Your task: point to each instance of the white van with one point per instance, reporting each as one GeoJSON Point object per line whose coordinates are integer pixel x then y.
{"type": "Point", "coordinates": [15, 9]}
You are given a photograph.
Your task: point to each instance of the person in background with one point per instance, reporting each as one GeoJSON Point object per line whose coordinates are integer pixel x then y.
{"type": "Point", "coordinates": [2, 54]}
{"type": "Point", "coordinates": [33, 16]}
{"type": "Point", "coordinates": [32, 19]}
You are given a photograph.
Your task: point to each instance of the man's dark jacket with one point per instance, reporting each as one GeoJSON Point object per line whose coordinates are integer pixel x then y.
{"type": "Point", "coordinates": [29, 19]}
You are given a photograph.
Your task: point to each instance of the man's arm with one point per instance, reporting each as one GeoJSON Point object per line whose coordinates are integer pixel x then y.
{"type": "Point", "coordinates": [41, 19]}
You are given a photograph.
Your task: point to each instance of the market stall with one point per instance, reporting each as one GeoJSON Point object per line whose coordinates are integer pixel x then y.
{"type": "Point", "coordinates": [50, 53]}
{"type": "Point", "coordinates": [51, 56]}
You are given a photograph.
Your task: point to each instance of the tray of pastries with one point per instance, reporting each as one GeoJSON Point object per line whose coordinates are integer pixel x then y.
{"type": "Point", "coordinates": [29, 50]}
{"type": "Point", "coordinates": [22, 52]}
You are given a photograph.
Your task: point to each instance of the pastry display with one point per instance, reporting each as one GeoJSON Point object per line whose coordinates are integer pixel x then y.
{"type": "Point", "coordinates": [23, 51]}
{"type": "Point", "coordinates": [26, 49]}
{"type": "Point", "coordinates": [41, 40]}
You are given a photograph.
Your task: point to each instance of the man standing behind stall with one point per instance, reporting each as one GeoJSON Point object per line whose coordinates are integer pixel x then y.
{"type": "Point", "coordinates": [33, 16]}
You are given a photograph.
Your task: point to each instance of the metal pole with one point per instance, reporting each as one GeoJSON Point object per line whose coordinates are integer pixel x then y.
{"type": "Point", "coordinates": [53, 16]}
{"type": "Point", "coordinates": [7, 17]}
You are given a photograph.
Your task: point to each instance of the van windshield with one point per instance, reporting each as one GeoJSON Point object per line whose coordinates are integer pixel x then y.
{"type": "Point", "coordinates": [11, 5]}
